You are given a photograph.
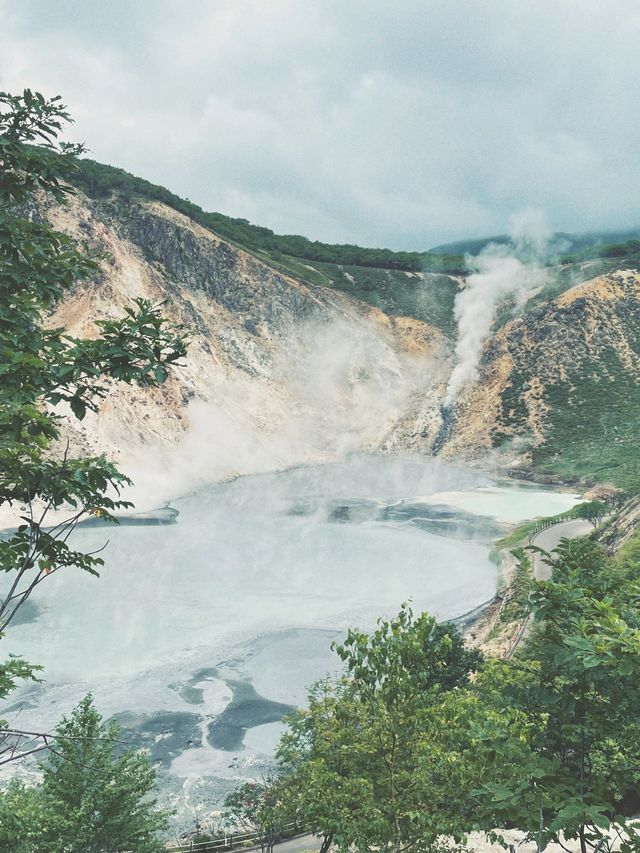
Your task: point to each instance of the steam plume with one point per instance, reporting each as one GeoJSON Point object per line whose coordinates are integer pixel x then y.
{"type": "Point", "coordinates": [333, 389]}
{"type": "Point", "coordinates": [499, 271]}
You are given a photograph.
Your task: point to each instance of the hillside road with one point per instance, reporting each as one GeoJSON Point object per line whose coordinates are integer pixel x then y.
{"type": "Point", "coordinates": [301, 844]}
{"type": "Point", "coordinates": [549, 539]}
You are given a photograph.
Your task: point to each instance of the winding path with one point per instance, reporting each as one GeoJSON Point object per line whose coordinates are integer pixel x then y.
{"type": "Point", "coordinates": [299, 845]}
{"type": "Point", "coordinates": [549, 539]}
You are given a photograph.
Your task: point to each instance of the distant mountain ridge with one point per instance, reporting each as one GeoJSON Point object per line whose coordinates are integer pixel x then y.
{"type": "Point", "coordinates": [574, 241]}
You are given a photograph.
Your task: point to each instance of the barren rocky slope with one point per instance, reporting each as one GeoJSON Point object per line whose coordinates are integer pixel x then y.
{"type": "Point", "coordinates": [282, 370]}
{"type": "Point", "coordinates": [560, 387]}
{"type": "Point", "coordinates": [277, 372]}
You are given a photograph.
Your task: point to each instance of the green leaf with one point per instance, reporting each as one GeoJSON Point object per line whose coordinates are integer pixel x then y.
{"type": "Point", "coordinates": [78, 407]}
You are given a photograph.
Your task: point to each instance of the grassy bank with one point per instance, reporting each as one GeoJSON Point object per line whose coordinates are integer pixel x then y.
{"type": "Point", "coordinates": [520, 534]}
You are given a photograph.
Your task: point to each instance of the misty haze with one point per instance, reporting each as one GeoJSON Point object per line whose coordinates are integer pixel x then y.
{"type": "Point", "coordinates": [256, 578]}
{"type": "Point", "coordinates": [319, 426]}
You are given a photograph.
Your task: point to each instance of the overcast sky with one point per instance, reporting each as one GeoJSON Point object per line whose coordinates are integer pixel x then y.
{"type": "Point", "coordinates": [402, 123]}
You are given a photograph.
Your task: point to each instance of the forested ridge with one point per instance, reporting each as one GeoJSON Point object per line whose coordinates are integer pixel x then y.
{"type": "Point", "coordinates": [99, 181]}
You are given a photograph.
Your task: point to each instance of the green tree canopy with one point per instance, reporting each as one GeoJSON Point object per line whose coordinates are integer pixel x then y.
{"type": "Point", "coordinates": [562, 748]}
{"type": "Point", "coordinates": [377, 759]}
{"type": "Point", "coordinates": [42, 367]}
{"type": "Point", "coordinates": [593, 511]}
{"type": "Point", "coordinates": [94, 797]}
{"type": "Point", "coordinates": [407, 752]}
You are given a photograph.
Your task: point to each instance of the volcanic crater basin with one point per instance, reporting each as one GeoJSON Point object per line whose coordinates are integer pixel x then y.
{"type": "Point", "coordinates": [199, 636]}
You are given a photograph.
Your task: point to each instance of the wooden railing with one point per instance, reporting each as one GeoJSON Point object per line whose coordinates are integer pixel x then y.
{"type": "Point", "coordinates": [548, 522]}
{"type": "Point", "coordinates": [235, 840]}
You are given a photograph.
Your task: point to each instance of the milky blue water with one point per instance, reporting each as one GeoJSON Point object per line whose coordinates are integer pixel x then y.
{"type": "Point", "coordinates": [199, 635]}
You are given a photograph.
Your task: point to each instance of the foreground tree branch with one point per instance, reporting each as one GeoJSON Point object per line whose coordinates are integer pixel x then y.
{"type": "Point", "coordinates": [42, 368]}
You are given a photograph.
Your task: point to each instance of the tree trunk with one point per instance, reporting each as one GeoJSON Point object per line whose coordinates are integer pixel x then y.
{"type": "Point", "coordinates": [326, 843]}
{"type": "Point", "coordinates": [540, 829]}
{"type": "Point", "coordinates": [583, 842]}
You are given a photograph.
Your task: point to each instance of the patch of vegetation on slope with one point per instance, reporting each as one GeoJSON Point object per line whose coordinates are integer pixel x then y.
{"type": "Point", "coordinates": [624, 250]}
{"type": "Point", "coordinates": [425, 296]}
{"type": "Point", "coordinates": [629, 554]}
{"type": "Point", "coordinates": [594, 423]}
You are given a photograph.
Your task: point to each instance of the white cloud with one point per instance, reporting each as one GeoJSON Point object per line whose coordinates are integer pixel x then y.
{"type": "Point", "coordinates": [399, 124]}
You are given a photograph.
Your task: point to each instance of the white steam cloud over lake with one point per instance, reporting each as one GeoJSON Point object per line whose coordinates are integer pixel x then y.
{"type": "Point", "coordinates": [334, 388]}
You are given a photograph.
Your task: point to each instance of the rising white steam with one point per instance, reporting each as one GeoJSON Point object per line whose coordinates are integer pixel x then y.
{"type": "Point", "coordinates": [334, 389]}
{"type": "Point", "coordinates": [500, 270]}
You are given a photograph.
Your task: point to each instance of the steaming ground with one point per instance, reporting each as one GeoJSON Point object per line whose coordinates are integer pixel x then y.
{"type": "Point", "coordinates": [199, 636]}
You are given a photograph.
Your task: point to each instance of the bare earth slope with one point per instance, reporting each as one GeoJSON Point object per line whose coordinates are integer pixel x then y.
{"type": "Point", "coordinates": [277, 373]}
{"type": "Point", "coordinates": [560, 387]}
{"type": "Point", "coordinates": [281, 371]}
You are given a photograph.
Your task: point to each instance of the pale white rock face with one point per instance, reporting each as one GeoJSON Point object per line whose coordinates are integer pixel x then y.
{"type": "Point", "coordinates": [277, 372]}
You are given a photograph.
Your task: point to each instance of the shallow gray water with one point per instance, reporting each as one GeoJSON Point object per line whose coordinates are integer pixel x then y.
{"type": "Point", "coordinates": [200, 635]}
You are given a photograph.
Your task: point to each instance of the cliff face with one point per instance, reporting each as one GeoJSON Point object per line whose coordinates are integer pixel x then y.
{"type": "Point", "coordinates": [277, 372]}
{"type": "Point", "coordinates": [280, 371]}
